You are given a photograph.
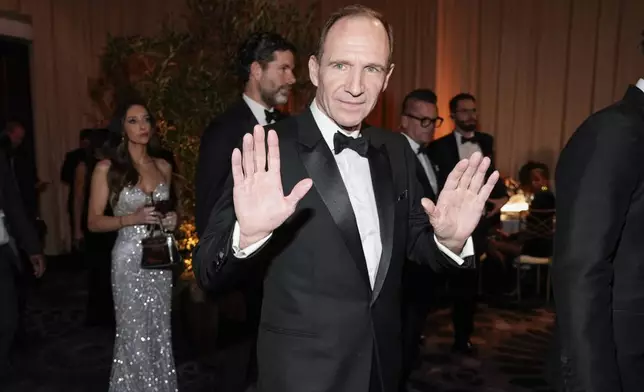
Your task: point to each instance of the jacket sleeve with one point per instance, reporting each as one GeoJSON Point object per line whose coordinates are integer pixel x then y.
{"type": "Point", "coordinates": [597, 173]}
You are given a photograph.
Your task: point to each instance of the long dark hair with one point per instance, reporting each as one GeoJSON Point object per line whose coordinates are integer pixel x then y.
{"type": "Point", "coordinates": [122, 172]}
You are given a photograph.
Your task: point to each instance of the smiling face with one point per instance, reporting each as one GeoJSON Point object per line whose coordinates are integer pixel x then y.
{"type": "Point", "coordinates": [137, 125]}
{"type": "Point", "coordinates": [412, 121]}
{"type": "Point", "coordinates": [352, 71]}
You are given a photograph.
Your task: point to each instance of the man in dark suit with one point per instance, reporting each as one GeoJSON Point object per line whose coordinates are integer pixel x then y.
{"type": "Point", "coordinates": [446, 152]}
{"type": "Point", "coordinates": [13, 224]}
{"type": "Point", "coordinates": [334, 255]}
{"type": "Point", "coordinates": [598, 266]}
{"type": "Point", "coordinates": [72, 159]}
{"type": "Point", "coordinates": [22, 167]}
{"type": "Point", "coordinates": [266, 62]}
{"type": "Point", "coordinates": [419, 119]}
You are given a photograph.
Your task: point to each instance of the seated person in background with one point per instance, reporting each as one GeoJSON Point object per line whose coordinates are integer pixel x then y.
{"type": "Point", "coordinates": [535, 237]}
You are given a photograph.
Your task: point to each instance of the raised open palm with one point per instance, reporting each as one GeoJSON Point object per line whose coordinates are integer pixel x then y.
{"type": "Point", "coordinates": [260, 204]}
{"type": "Point", "coordinates": [461, 202]}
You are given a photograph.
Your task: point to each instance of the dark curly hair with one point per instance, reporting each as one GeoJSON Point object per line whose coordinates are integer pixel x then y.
{"type": "Point", "coordinates": [122, 172]}
{"type": "Point", "coordinates": [260, 47]}
{"type": "Point", "coordinates": [526, 170]}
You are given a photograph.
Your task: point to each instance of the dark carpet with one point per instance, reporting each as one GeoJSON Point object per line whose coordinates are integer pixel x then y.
{"type": "Point", "coordinates": [58, 353]}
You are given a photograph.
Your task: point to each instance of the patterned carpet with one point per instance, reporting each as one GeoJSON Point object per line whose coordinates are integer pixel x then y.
{"type": "Point", "coordinates": [60, 354]}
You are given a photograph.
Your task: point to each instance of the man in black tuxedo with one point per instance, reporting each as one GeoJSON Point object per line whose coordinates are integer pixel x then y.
{"type": "Point", "coordinates": [13, 224]}
{"type": "Point", "coordinates": [598, 266]}
{"type": "Point", "coordinates": [266, 62]}
{"type": "Point", "coordinates": [334, 255]}
{"type": "Point", "coordinates": [419, 119]}
{"type": "Point", "coordinates": [446, 152]}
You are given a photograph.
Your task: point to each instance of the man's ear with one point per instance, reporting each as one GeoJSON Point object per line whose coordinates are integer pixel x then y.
{"type": "Point", "coordinates": [255, 70]}
{"type": "Point", "coordinates": [314, 70]}
{"type": "Point", "coordinates": [391, 70]}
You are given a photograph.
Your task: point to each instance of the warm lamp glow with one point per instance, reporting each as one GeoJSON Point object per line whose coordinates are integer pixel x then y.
{"type": "Point", "coordinates": [187, 242]}
{"type": "Point", "coordinates": [517, 203]}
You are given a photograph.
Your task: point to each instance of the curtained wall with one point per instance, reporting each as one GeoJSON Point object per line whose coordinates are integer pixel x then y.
{"type": "Point", "coordinates": [538, 68]}
{"type": "Point", "coordinates": [68, 37]}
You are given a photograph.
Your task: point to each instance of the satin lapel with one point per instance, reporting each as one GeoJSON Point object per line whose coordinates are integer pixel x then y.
{"type": "Point", "coordinates": [424, 181]}
{"type": "Point", "coordinates": [456, 156]}
{"type": "Point", "coordinates": [323, 170]}
{"type": "Point", "coordinates": [383, 190]}
{"type": "Point", "coordinates": [486, 146]}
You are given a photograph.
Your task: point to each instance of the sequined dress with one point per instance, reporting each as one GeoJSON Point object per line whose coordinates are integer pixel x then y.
{"type": "Point", "coordinates": [143, 359]}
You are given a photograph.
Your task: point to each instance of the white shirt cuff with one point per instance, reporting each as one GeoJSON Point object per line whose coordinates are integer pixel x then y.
{"type": "Point", "coordinates": [468, 250]}
{"type": "Point", "coordinates": [249, 250]}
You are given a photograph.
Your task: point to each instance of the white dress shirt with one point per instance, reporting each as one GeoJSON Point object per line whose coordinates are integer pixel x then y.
{"type": "Point", "coordinates": [465, 150]}
{"type": "Point", "coordinates": [425, 162]}
{"type": "Point", "coordinates": [257, 109]}
{"type": "Point", "coordinates": [640, 84]}
{"type": "Point", "coordinates": [356, 176]}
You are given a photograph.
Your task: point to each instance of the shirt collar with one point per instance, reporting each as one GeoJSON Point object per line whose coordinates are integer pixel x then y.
{"type": "Point", "coordinates": [640, 84]}
{"type": "Point", "coordinates": [257, 109]}
{"type": "Point", "coordinates": [414, 145]}
{"type": "Point", "coordinates": [328, 127]}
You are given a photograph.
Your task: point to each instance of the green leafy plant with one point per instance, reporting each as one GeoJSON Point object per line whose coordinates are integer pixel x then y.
{"type": "Point", "coordinates": [187, 74]}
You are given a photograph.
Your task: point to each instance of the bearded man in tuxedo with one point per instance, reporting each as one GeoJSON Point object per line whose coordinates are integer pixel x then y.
{"type": "Point", "coordinates": [334, 254]}
{"type": "Point", "coordinates": [265, 66]}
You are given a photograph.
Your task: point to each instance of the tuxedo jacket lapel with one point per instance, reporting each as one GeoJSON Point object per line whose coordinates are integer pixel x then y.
{"type": "Point", "coordinates": [486, 144]}
{"type": "Point", "coordinates": [327, 180]}
{"type": "Point", "coordinates": [454, 154]}
{"type": "Point", "coordinates": [382, 180]}
{"type": "Point", "coordinates": [424, 180]}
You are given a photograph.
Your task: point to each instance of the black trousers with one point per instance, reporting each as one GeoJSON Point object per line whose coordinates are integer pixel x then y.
{"type": "Point", "coordinates": [462, 289]}
{"type": "Point", "coordinates": [8, 305]}
{"type": "Point", "coordinates": [418, 298]}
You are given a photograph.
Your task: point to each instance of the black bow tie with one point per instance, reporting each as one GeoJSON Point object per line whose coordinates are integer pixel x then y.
{"type": "Point", "coordinates": [342, 141]}
{"type": "Point", "coordinates": [423, 150]}
{"type": "Point", "coordinates": [274, 115]}
{"type": "Point", "coordinates": [472, 139]}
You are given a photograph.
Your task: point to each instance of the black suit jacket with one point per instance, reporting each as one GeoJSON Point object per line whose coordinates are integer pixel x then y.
{"type": "Point", "coordinates": [322, 326]}
{"type": "Point", "coordinates": [598, 268]}
{"type": "Point", "coordinates": [213, 167]}
{"type": "Point", "coordinates": [444, 154]}
{"type": "Point", "coordinates": [426, 186]}
{"type": "Point", "coordinates": [72, 160]}
{"type": "Point", "coordinates": [16, 219]}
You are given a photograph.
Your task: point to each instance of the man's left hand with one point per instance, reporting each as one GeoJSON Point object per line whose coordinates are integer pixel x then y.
{"type": "Point", "coordinates": [39, 265]}
{"type": "Point", "coordinates": [461, 202]}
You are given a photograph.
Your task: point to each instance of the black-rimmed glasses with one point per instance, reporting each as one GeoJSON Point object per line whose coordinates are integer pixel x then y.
{"type": "Point", "coordinates": [425, 122]}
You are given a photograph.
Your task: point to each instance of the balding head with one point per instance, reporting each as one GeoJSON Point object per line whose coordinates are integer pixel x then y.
{"type": "Point", "coordinates": [352, 66]}
{"type": "Point", "coordinates": [353, 11]}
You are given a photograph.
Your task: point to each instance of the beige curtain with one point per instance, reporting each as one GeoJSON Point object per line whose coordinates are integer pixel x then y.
{"type": "Point", "coordinates": [68, 37]}
{"type": "Point", "coordinates": [537, 67]}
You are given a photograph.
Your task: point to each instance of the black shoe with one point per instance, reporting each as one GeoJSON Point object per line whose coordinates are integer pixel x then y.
{"type": "Point", "coordinates": [464, 348]}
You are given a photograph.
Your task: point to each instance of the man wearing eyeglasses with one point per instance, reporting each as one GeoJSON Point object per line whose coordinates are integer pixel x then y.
{"type": "Point", "coordinates": [464, 141]}
{"type": "Point", "coordinates": [419, 119]}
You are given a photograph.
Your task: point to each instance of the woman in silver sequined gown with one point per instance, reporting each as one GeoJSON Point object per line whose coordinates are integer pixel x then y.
{"type": "Point", "coordinates": [143, 359]}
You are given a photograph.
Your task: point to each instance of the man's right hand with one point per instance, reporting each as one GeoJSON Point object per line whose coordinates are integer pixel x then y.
{"type": "Point", "coordinates": [260, 204]}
